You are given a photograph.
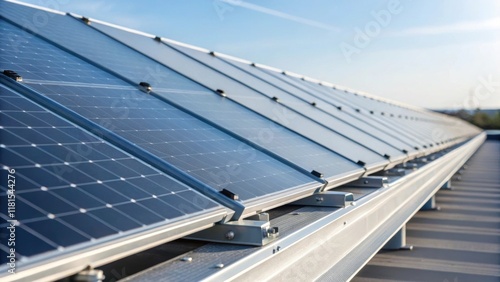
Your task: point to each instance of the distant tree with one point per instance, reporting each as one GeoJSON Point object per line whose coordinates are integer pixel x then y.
{"type": "Point", "coordinates": [481, 119]}
{"type": "Point", "coordinates": [495, 121]}
{"type": "Point", "coordinates": [463, 114]}
{"type": "Point", "coordinates": [478, 118]}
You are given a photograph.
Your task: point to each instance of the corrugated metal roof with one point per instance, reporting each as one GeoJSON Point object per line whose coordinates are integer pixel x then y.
{"type": "Point", "coordinates": [461, 242]}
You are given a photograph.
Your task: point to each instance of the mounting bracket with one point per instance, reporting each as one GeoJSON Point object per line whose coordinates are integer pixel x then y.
{"type": "Point", "coordinates": [88, 275]}
{"type": "Point", "coordinates": [430, 205]}
{"type": "Point", "coordinates": [420, 161]}
{"type": "Point", "coordinates": [369, 181]}
{"type": "Point", "coordinates": [398, 241]}
{"type": "Point", "coordinates": [336, 199]}
{"type": "Point", "coordinates": [447, 185]}
{"type": "Point", "coordinates": [408, 165]}
{"type": "Point", "coordinates": [395, 172]}
{"type": "Point", "coordinates": [241, 232]}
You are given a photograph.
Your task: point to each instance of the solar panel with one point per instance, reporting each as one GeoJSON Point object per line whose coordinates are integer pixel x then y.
{"type": "Point", "coordinates": [420, 125]}
{"type": "Point", "coordinates": [203, 152]}
{"type": "Point", "coordinates": [335, 109]}
{"type": "Point", "coordinates": [257, 103]}
{"type": "Point", "coordinates": [267, 133]}
{"type": "Point", "coordinates": [329, 120]}
{"type": "Point", "coordinates": [338, 98]}
{"type": "Point", "coordinates": [72, 187]}
{"type": "Point", "coordinates": [191, 95]}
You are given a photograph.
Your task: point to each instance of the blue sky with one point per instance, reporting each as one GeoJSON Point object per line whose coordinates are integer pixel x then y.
{"type": "Point", "coordinates": [430, 53]}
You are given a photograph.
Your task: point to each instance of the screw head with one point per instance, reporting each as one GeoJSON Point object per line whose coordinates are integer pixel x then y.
{"type": "Point", "coordinates": [229, 235]}
{"type": "Point", "coordinates": [188, 259]}
{"type": "Point", "coordinates": [219, 265]}
{"type": "Point", "coordinates": [273, 232]}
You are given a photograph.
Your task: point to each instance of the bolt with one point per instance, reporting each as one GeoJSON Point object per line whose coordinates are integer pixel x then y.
{"type": "Point", "coordinates": [272, 232]}
{"type": "Point", "coordinates": [319, 199]}
{"type": "Point", "coordinates": [219, 265]}
{"type": "Point", "coordinates": [230, 235]}
{"type": "Point", "coordinates": [188, 259]}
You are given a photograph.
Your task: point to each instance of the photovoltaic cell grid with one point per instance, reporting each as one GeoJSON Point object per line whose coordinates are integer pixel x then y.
{"type": "Point", "coordinates": [265, 133]}
{"type": "Point", "coordinates": [202, 151]}
{"type": "Point", "coordinates": [334, 109]}
{"type": "Point", "coordinates": [61, 29]}
{"type": "Point", "coordinates": [339, 99]}
{"type": "Point", "coordinates": [424, 125]}
{"type": "Point", "coordinates": [421, 123]}
{"type": "Point", "coordinates": [329, 120]}
{"type": "Point", "coordinates": [72, 187]}
{"type": "Point", "coordinates": [250, 99]}
{"type": "Point", "coordinates": [196, 98]}
{"type": "Point", "coordinates": [184, 92]}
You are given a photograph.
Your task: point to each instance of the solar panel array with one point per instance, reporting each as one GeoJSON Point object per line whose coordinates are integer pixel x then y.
{"type": "Point", "coordinates": [97, 157]}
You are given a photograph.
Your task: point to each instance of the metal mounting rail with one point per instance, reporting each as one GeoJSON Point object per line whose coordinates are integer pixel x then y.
{"type": "Point", "coordinates": [324, 243]}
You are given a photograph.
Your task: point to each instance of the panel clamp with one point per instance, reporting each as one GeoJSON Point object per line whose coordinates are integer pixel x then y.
{"type": "Point", "coordinates": [250, 232]}
{"type": "Point", "coordinates": [336, 199]}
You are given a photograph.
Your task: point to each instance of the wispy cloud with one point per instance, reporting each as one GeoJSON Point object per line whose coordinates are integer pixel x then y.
{"type": "Point", "coordinates": [271, 12]}
{"type": "Point", "coordinates": [469, 26]}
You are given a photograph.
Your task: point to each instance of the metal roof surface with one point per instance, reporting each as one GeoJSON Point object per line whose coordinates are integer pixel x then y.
{"type": "Point", "coordinates": [461, 242]}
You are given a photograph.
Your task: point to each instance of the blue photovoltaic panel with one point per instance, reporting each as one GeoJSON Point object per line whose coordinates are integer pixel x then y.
{"type": "Point", "coordinates": [198, 149]}
{"type": "Point", "coordinates": [251, 126]}
{"type": "Point", "coordinates": [329, 120]}
{"type": "Point", "coordinates": [118, 58]}
{"type": "Point", "coordinates": [363, 123]}
{"type": "Point", "coordinates": [369, 105]}
{"type": "Point", "coordinates": [338, 99]}
{"type": "Point", "coordinates": [260, 104]}
{"type": "Point", "coordinates": [268, 134]}
{"type": "Point", "coordinates": [419, 125]}
{"type": "Point", "coordinates": [176, 88]}
{"type": "Point", "coordinates": [72, 187]}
